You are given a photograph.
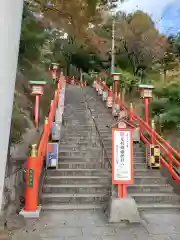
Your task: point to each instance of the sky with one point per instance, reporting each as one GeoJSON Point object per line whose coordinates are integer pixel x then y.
{"type": "Point", "coordinates": [168, 10]}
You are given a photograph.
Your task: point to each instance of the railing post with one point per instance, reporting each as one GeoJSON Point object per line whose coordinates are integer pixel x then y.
{"type": "Point", "coordinates": [152, 133]}
{"type": "Point", "coordinates": [51, 115]}
{"type": "Point", "coordinates": [122, 191]}
{"type": "Point", "coordinates": [109, 102]}
{"type": "Point", "coordinates": [32, 181]}
{"type": "Point", "coordinates": [146, 109]}
{"type": "Point", "coordinates": [36, 111]}
{"type": "Point", "coordinates": [131, 112]}
{"type": "Point", "coordinates": [46, 129]}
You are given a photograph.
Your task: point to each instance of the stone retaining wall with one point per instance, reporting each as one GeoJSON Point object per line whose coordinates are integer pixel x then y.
{"type": "Point", "coordinates": [15, 177]}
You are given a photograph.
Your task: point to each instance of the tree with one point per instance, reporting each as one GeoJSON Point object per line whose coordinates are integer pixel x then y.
{"type": "Point", "coordinates": [140, 40]}
{"type": "Point", "coordinates": [169, 61]}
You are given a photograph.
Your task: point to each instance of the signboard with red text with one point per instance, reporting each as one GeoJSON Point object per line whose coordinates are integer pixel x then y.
{"type": "Point", "coordinates": [122, 156]}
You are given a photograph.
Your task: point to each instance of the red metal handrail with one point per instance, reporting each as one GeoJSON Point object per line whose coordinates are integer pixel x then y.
{"type": "Point", "coordinates": [170, 158]}
{"type": "Point", "coordinates": [35, 161]}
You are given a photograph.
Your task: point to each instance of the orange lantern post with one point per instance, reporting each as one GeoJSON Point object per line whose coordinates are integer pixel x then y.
{"type": "Point", "coordinates": [37, 90]}
{"type": "Point", "coordinates": [146, 94]}
{"type": "Point", "coordinates": [54, 72]}
{"type": "Point", "coordinates": [115, 108]}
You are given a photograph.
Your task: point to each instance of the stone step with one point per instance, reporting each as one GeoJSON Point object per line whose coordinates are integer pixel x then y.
{"type": "Point", "coordinates": [158, 207]}
{"type": "Point", "coordinates": [76, 188]}
{"type": "Point", "coordinates": [139, 160]}
{"type": "Point", "coordinates": [91, 153]}
{"type": "Point", "coordinates": [72, 120]}
{"type": "Point", "coordinates": [73, 146]}
{"type": "Point", "coordinates": [82, 142]}
{"type": "Point", "coordinates": [76, 137]}
{"type": "Point", "coordinates": [73, 198]}
{"type": "Point", "coordinates": [140, 165]}
{"type": "Point", "coordinates": [154, 198]}
{"type": "Point", "coordinates": [79, 127]}
{"type": "Point", "coordinates": [79, 132]}
{"type": "Point", "coordinates": [149, 188]}
{"type": "Point", "coordinates": [75, 140]}
{"type": "Point", "coordinates": [78, 172]}
{"type": "Point", "coordinates": [62, 207]}
{"type": "Point", "coordinates": [79, 165]}
{"type": "Point", "coordinates": [104, 129]}
{"type": "Point", "coordinates": [147, 172]}
{"type": "Point", "coordinates": [77, 148]}
{"type": "Point", "coordinates": [56, 180]}
{"type": "Point", "coordinates": [78, 158]}
{"type": "Point", "coordinates": [140, 180]}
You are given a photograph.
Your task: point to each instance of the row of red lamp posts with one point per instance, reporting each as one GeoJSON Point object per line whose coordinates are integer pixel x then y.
{"type": "Point", "coordinates": [37, 90]}
{"type": "Point", "coordinates": [145, 90]}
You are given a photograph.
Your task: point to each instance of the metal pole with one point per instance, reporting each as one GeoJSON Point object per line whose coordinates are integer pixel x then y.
{"type": "Point", "coordinates": [36, 111]}
{"type": "Point", "coordinates": [10, 27]}
{"type": "Point", "coordinates": [113, 47]}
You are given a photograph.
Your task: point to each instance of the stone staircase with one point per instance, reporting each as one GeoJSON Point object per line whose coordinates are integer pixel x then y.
{"type": "Point", "coordinates": [150, 189]}
{"type": "Point", "coordinates": [79, 182]}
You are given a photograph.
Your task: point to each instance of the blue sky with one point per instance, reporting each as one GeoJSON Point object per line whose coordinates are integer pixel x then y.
{"type": "Point", "coordinates": [168, 10]}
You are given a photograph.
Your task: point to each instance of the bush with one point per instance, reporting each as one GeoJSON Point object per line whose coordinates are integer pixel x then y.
{"type": "Point", "coordinates": [165, 108]}
{"type": "Point", "coordinates": [88, 79]}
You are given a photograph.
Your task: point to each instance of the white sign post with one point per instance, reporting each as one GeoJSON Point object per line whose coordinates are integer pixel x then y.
{"type": "Point", "coordinates": [122, 156]}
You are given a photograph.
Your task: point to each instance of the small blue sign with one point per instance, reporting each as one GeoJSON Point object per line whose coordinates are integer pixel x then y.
{"type": "Point", "coordinates": [52, 155]}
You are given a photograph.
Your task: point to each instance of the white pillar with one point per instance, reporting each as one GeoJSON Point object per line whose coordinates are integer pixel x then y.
{"type": "Point", "coordinates": [10, 27]}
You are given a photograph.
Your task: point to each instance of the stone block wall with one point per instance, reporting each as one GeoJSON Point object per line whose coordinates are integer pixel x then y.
{"type": "Point", "coordinates": [14, 185]}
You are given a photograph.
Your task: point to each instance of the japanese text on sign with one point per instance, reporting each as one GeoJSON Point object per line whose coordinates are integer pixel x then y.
{"type": "Point", "coordinates": [30, 178]}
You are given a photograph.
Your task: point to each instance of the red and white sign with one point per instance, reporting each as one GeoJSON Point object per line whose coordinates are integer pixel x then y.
{"type": "Point", "coordinates": [37, 90]}
{"type": "Point", "coordinates": [122, 156]}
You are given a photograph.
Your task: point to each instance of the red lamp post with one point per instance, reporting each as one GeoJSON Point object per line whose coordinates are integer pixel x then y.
{"type": "Point", "coordinates": [115, 108]}
{"type": "Point", "coordinates": [116, 77]}
{"type": "Point", "coordinates": [55, 67]}
{"type": "Point", "coordinates": [146, 94]}
{"type": "Point", "coordinates": [37, 90]}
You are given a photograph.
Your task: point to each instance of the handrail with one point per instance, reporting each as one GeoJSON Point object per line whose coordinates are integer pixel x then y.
{"type": "Point", "coordinates": [170, 158]}
{"type": "Point", "coordinates": [35, 161]}
{"type": "Point", "coordinates": [96, 127]}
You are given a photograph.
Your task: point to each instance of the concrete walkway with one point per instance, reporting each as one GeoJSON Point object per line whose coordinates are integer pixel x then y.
{"type": "Point", "coordinates": [92, 225]}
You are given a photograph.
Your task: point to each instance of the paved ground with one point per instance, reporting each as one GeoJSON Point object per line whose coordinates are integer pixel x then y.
{"type": "Point", "coordinates": [92, 225]}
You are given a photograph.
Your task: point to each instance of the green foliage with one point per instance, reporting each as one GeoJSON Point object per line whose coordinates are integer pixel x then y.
{"type": "Point", "coordinates": [109, 81]}
{"type": "Point", "coordinates": [33, 36]}
{"type": "Point", "coordinates": [33, 53]}
{"type": "Point", "coordinates": [88, 78]}
{"type": "Point", "coordinates": [19, 124]}
{"type": "Point", "coordinates": [127, 79]}
{"type": "Point", "coordinates": [166, 107]}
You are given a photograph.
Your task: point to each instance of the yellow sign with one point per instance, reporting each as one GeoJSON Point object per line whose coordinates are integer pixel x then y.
{"type": "Point", "coordinates": [155, 156]}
